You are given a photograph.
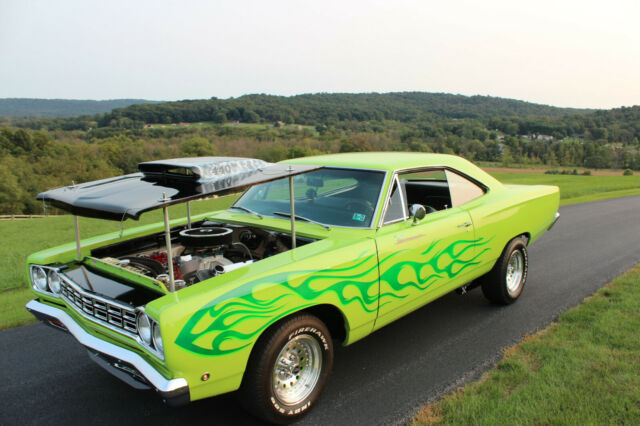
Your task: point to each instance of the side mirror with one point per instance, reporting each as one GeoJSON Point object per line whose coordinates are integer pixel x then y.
{"type": "Point", "coordinates": [417, 212]}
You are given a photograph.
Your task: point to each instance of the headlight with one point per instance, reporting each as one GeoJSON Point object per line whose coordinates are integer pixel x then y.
{"type": "Point", "coordinates": [157, 338]}
{"type": "Point", "coordinates": [54, 281]}
{"type": "Point", "coordinates": [144, 328]}
{"type": "Point", "coordinates": [39, 278]}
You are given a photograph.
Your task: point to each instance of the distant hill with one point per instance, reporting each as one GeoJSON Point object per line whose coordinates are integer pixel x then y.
{"type": "Point", "coordinates": [328, 108]}
{"type": "Point", "coordinates": [30, 107]}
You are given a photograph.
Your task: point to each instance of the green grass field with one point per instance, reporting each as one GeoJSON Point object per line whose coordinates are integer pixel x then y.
{"type": "Point", "coordinates": [583, 370]}
{"type": "Point", "coordinates": [578, 189]}
{"type": "Point", "coordinates": [267, 126]}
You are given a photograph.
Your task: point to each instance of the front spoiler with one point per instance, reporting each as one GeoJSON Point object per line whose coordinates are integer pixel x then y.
{"type": "Point", "coordinates": [174, 392]}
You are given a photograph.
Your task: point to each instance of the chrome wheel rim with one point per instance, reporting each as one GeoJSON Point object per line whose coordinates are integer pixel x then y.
{"type": "Point", "coordinates": [515, 271]}
{"type": "Point", "coordinates": [297, 369]}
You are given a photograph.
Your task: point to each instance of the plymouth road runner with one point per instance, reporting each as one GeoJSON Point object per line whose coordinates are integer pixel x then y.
{"type": "Point", "coordinates": [316, 251]}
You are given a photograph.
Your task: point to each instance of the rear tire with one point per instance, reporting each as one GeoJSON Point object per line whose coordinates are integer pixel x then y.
{"type": "Point", "coordinates": [288, 369]}
{"type": "Point", "coordinates": [505, 282]}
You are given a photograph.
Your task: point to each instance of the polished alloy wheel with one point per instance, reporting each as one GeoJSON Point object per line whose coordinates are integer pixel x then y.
{"type": "Point", "coordinates": [297, 369]}
{"type": "Point", "coordinates": [515, 271]}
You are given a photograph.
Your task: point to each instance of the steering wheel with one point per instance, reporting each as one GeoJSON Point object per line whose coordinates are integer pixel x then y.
{"type": "Point", "coordinates": [311, 194]}
{"type": "Point", "coordinates": [359, 206]}
{"type": "Point", "coordinates": [430, 209]}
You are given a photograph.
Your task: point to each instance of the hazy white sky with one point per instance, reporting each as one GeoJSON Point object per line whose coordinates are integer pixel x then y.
{"type": "Point", "coordinates": [579, 53]}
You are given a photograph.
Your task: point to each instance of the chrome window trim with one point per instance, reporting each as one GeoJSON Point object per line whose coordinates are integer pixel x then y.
{"type": "Point", "coordinates": [375, 211]}
{"type": "Point", "coordinates": [404, 217]}
{"type": "Point", "coordinates": [397, 172]}
{"type": "Point", "coordinates": [484, 187]}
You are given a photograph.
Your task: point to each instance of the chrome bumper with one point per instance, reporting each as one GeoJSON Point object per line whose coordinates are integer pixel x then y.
{"type": "Point", "coordinates": [173, 391]}
{"type": "Point", "coordinates": [555, 219]}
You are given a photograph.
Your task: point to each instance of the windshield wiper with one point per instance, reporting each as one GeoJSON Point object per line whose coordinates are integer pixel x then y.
{"type": "Point", "coordinates": [246, 210]}
{"type": "Point", "coordinates": [304, 219]}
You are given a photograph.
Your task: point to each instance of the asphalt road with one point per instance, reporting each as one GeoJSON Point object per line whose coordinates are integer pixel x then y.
{"type": "Point", "coordinates": [47, 378]}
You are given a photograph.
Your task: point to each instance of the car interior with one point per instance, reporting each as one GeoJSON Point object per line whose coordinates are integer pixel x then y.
{"type": "Point", "coordinates": [432, 194]}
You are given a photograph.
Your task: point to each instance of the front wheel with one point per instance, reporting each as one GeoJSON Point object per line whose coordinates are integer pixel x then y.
{"type": "Point", "coordinates": [505, 282]}
{"type": "Point", "coordinates": [288, 369]}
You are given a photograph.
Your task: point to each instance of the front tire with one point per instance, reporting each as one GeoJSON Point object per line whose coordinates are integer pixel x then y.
{"type": "Point", "coordinates": [505, 282]}
{"type": "Point", "coordinates": [288, 369]}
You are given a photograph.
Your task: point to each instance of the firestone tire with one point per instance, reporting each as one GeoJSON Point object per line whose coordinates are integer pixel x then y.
{"type": "Point", "coordinates": [288, 369]}
{"type": "Point", "coordinates": [505, 282]}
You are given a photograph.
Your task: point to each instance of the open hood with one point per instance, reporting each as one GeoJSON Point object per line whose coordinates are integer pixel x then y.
{"type": "Point", "coordinates": [180, 179]}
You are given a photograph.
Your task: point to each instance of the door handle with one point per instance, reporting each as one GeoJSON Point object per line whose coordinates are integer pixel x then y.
{"type": "Point", "coordinates": [465, 225]}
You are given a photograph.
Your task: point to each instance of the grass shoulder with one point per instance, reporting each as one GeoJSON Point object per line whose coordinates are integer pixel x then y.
{"type": "Point", "coordinates": [577, 189]}
{"type": "Point", "coordinates": [12, 310]}
{"type": "Point", "coordinates": [584, 369]}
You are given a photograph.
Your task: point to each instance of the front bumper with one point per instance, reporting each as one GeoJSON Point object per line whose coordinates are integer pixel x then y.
{"type": "Point", "coordinates": [122, 363]}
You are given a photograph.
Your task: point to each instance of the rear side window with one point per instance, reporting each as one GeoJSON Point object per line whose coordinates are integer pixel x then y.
{"type": "Point", "coordinates": [461, 189]}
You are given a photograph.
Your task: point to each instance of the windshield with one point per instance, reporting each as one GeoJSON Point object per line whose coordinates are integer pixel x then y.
{"type": "Point", "coordinates": [340, 197]}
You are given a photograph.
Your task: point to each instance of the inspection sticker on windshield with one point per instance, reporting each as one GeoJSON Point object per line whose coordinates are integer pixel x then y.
{"type": "Point", "coordinates": [359, 217]}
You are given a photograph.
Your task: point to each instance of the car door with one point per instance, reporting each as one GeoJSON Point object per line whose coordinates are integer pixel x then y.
{"type": "Point", "coordinates": [420, 261]}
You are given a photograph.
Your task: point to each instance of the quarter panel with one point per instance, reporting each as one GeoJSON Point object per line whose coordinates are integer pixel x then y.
{"type": "Point", "coordinates": [503, 215]}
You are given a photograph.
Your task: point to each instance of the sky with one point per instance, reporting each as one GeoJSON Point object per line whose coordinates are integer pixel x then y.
{"type": "Point", "coordinates": [583, 53]}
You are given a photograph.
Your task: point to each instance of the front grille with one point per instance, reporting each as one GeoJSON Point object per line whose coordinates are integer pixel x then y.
{"type": "Point", "coordinates": [100, 309]}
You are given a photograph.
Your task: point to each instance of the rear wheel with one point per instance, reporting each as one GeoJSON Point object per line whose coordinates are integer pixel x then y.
{"type": "Point", "coordinates": [288, 369]}
{"type": "Point", "coordinates": [505, 282]}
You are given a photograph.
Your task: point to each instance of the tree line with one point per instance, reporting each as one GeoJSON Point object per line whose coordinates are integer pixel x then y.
{"type": "Point", "coordinates": [311, 109]}
{"type": "Point", "coordinates": [32, 161]}
{"type": "Point", "coordinates": [431, 111]}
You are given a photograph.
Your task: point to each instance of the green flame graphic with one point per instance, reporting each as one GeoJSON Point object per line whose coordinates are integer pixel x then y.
{"type": "Point", "coordinates": [222, 319]}
{"type": "Point", "coordinates": [426, 269]}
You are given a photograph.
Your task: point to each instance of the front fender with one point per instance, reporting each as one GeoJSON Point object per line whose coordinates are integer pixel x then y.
{"type": "Point", "coordinates": [211, 327]}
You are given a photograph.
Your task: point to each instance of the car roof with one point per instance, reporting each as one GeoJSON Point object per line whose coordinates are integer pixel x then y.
{"type": "Point", "coordinates": [380, 160]}
{"type": "Point", "coordinates": [392, 161]}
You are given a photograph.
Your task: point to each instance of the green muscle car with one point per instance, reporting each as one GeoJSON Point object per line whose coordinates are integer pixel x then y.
{"type": "Point", "coordinates": [316, 251]}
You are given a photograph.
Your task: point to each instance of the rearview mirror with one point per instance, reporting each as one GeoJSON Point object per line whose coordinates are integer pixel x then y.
{"type": "Point", "coordinates": [417, 212]}
{"type": "Point", "coordinates": [316, 181]}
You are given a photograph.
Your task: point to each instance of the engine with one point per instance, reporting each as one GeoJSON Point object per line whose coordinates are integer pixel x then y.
{"type": "Point", "coordinates": [199, 253]}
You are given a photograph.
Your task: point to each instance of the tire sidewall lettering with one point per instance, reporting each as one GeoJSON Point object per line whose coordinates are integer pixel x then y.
{"type": "Point", "coordinates": [305, 405]}
{"type": "Point", "coordinates": [312, 331]}
{"type": "Point", "coordinates": [289, 411]}
{"type": "Point", "coordinates": [526, 265]}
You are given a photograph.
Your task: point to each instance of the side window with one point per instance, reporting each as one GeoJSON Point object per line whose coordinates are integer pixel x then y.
{"type": "Point", "coordinates": [428, 188]}
{"type": "Point", "coordinates": [438, 189]}
{"type": "Point", "coordinates": [396, 209]}
{"type": "Point", "coordinates": [462, 190]}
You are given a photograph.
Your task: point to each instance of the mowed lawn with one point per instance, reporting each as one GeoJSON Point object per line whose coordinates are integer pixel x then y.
{"type": "Point", "coordinates": [583, 370]}
{"type": "Point", "coordinates": [577, 188]}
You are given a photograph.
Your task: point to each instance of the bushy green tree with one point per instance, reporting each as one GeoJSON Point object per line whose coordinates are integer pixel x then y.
{"type": "Point", "coordinates": [197, 147]}
{"type": "Point", "coordinates": [12, 194]}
